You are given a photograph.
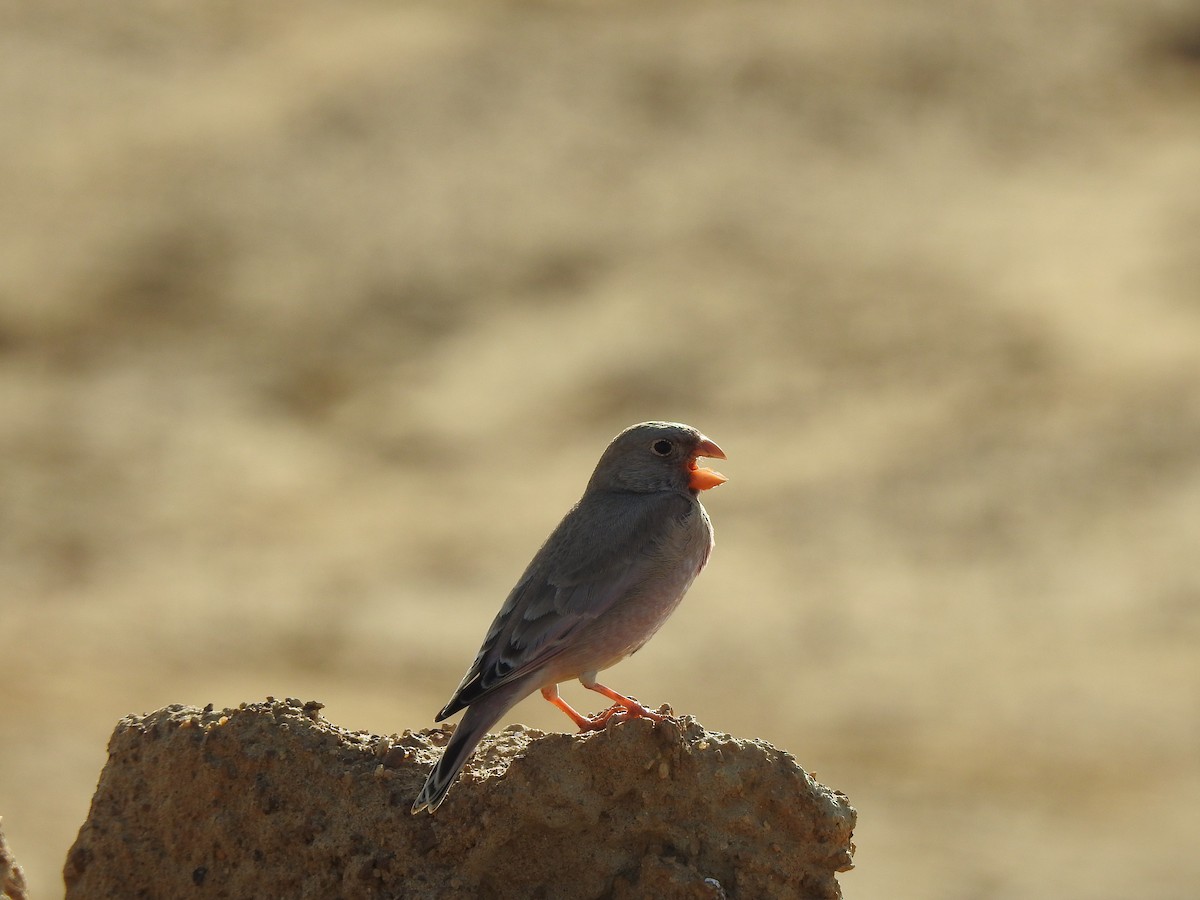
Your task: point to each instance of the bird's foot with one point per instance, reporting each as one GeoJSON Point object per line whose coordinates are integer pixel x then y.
{"type": "Point", "coordinates": [619, 712]}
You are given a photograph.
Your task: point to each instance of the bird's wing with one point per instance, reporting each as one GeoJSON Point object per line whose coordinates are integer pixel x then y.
{"type": "Point", "coordinates": [603, 547]}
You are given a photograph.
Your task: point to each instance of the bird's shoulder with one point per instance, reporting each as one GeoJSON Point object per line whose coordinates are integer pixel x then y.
{"type": "Point", "coordinates": [609, 528]}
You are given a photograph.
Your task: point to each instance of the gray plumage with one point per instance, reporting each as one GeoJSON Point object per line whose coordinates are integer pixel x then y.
{"type": "Point", "coordinates": [601, 585]}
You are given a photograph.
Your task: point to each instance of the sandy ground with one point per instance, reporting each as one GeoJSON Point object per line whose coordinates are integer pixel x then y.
{"type": "Point", "coordinates": [313, 321]}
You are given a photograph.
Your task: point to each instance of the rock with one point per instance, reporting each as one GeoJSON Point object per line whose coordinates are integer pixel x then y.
{"type": "Point", "coordinates": [270, 800]}
{"type": "Point", "coordinates": [12, 879]}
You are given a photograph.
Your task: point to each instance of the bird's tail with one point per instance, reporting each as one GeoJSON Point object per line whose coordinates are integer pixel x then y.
{"type": "Point", "coordinates": [479, 717]}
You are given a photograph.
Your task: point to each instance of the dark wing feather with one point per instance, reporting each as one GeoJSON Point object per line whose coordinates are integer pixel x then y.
{"type": "Point", "coordinates": [601, 549]}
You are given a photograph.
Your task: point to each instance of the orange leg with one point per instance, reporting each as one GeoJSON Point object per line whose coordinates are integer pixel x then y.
{"type": "Point", "coordinates": [583, 723]}
{"type": "Point", "coordinates": [623, 707]}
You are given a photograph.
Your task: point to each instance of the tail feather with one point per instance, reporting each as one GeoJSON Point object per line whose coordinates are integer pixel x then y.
{"type": "Point", "coordinates": [480, 716]}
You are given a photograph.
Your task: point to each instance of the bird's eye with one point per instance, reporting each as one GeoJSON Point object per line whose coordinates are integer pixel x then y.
{"type": "Point", "coordinates": [662, 448]}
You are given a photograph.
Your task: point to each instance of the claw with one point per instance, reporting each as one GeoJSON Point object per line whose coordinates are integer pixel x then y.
{"type": "Point", "coordinates": [623, 708]}
{"type": "Point", "coordinates": [621, 713]}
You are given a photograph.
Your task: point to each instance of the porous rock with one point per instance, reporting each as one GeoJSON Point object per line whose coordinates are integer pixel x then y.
{"type": "Point", "coordinates": [271, 800]}
{"type": "Point", "coordinates": [12, 879]}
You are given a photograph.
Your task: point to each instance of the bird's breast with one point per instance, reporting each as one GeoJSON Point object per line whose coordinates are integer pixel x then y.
{"type": "Point", "coordinates": [675, 562]}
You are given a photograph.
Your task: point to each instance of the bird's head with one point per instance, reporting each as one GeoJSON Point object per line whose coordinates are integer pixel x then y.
{"type": "Point", "coordinates": [657, 456]}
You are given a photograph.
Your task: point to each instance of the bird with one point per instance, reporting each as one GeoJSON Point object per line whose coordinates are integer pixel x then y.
{"type": "Point", "coordinates": [605, 580]}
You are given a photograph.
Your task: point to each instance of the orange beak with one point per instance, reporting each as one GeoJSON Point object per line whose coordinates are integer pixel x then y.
{"type": "Point", "coordinates": [702, 479]}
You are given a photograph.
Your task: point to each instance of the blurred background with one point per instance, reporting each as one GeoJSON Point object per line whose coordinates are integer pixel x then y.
{"type": "Point", "coordinates": [315, 318]}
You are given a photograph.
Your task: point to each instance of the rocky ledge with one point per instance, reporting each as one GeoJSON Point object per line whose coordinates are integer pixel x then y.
{"type": "Point", "coordinates": [271, 800]}
{"type": "Point", "coordinates": [12, 879]}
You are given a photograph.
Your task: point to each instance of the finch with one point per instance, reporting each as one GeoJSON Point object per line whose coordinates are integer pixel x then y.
{"type": "Point", "coordinates": [602, 584]}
